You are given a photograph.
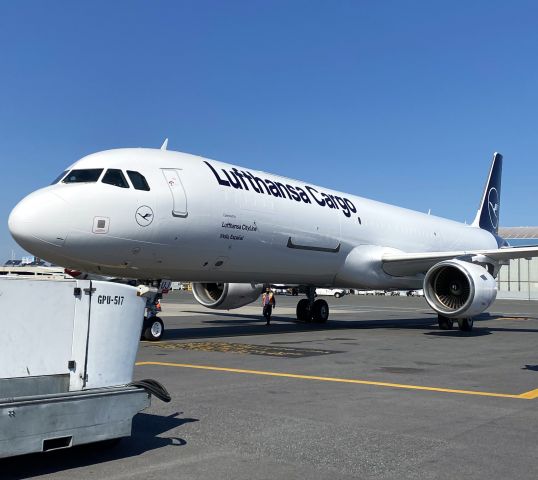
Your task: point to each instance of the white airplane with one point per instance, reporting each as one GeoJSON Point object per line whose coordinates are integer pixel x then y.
{"type": "Point", "coordinates": [152, 214]}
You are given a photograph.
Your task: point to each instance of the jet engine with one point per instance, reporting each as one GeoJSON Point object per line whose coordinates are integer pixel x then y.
{"type": "Point", "coordinates": [226, 296]}
{"type": "Point", "coordinates": [458, 289]}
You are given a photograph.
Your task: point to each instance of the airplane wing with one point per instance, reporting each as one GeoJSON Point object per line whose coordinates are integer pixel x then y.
{"type": "Point", "coordinates": [519, 232]}
{"type": "Point", "coordinates": [402, 264]}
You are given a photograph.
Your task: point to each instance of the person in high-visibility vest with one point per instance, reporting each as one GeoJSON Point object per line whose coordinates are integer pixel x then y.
{"type": "Point", "coordinates": [268, 303]}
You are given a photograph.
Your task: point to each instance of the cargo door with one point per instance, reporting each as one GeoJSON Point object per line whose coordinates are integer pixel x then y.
{"type": "Point", "coordinates": [179, 197]}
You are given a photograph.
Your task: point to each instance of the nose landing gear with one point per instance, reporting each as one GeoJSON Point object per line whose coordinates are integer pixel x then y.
{"type": "Point", "coordinates": [153, 326]}
{"type": "Point", "coordinates": [311, 310]}
{"type": "Point", "coordinates": [152, 329]}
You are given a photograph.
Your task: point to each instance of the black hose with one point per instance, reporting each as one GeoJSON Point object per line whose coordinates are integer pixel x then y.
{"type": "Point", "coordinates": [153, 387]}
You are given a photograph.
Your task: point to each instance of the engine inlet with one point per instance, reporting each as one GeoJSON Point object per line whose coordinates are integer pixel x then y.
{"type": "Point", "coordinates": [452, 288]}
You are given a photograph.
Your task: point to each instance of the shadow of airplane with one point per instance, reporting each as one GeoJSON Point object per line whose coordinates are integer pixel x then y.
{"type": "Point", "coordinates": [233, 328]}
{"type": "Point", "coordinates": [233, 325]}
{"type": "Point", "coordinates": [145, 436]}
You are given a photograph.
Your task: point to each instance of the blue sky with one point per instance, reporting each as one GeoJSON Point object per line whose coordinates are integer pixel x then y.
{"type": "Point", "coordinates": [403, 102]}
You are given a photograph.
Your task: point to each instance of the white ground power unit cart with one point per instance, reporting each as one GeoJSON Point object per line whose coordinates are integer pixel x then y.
{"type": "Point", "coordinates": [67, 354]}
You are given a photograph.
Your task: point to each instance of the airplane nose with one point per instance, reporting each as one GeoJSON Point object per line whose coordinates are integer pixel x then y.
{"type": "Point", "coordinates": [38, 223]}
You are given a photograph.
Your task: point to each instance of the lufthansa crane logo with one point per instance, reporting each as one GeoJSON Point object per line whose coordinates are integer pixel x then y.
{"type": "Point", "coordinates": [493, 206]}
{"type": "Point", "coordinates": [144, 216]}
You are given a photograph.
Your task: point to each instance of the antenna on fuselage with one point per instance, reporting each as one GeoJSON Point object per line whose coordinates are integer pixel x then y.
{"type": "Point", "coordinates": [164, 146]}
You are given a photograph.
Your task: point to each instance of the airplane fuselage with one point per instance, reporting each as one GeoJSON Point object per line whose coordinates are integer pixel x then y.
{"type": "Point", "coordinates": [203, 220]}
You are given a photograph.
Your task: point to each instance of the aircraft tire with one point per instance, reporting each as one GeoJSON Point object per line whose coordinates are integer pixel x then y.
{"type": "Point", "coordinates": [445, 323]}
{"type": "Point", "coordinates": [303, 311]}
{"type": "Point", "coordinates": [320, 311]}
{"type": "Point", "coordinates": [154, 329]}
{"type": "Point", "coordinates": [465, 324]}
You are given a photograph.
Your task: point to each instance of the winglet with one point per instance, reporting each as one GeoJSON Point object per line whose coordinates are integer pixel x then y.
{"type": "Point", "coordinates": [487, 216]}
{"type": "Point", "coordinates": [164, 146]}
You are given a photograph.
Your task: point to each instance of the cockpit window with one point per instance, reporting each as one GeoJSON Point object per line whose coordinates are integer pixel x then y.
{"type": "Point", "coordinates": [138, 180]}
{"type": "Point", "coordinates": [59, 177]}
{"type": "Point", "coordinates": [115, 177]}
{"type": "Point", "coordinates": [81, 176]}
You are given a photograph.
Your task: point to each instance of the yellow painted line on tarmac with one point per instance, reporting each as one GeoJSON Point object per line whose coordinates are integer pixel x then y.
{"type": "Point", "coordinates": [514, 318]}
{"type": "Point", "coordinates": [533, 394]}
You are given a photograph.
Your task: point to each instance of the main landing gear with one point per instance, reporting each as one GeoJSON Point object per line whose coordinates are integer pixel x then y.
{"type": "Point", "coordinates": [311, 310]}
{"type": "Point", "coordinates": [464, 324]}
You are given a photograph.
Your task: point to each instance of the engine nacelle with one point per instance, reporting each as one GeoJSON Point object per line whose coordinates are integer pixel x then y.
{"type": "Point", "coordinates": [458, 289]}
{"type": "Point", "coordinates": [226, 296]}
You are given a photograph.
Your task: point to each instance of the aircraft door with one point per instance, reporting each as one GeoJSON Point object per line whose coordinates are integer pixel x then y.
{"type": "Point", "coordinates": [172, 177]}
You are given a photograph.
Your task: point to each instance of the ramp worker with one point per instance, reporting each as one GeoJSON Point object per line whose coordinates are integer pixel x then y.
{"type": "Point", "coordinates": [268, 302]}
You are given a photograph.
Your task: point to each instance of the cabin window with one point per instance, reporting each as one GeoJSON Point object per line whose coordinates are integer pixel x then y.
{"type": "Point", "coordinates": [138, 180]}
{"type": "Point", "coordinates": [59, 177]}
{"type": "Point", "coordinates": [115, 177]}
{"type": "Point", "coordinates": [88, 175]}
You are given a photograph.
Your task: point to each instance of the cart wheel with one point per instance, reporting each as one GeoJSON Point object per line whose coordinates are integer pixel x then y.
{"type": "Point", "coordinates": [154, 329]}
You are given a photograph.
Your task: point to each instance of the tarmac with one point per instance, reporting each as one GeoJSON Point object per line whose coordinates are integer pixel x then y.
{"type": "Point", "coordinates": [377, 392]}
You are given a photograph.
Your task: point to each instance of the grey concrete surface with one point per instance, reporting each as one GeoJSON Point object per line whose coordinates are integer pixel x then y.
{"type": "Point", "coordinates": [228, 425]}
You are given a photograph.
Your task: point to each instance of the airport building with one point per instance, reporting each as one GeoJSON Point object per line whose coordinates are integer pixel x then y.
{"type": "Point", "coordinates": [519, 279]}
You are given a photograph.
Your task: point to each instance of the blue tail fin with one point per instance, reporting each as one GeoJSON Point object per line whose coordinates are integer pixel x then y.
{"type": "Point", "coordinates": [487, 216]}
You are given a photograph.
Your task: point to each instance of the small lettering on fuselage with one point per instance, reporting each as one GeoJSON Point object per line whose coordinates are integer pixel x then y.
{"type": "Point", "coordinates": [230, 236]}
{"type": "Point", "coordinates": [243, 179]}
{"type": "Point", "coordinates": [237, 226]}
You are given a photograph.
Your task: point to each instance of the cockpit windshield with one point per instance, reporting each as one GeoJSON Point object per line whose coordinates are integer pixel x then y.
{"type": "Point", "coordinates": [138, 180]}
{"type": "Point", "coordinates": [59, 177]}
{"type": "Point", "coordinates": [80, 176]}
{"type": "Point", "coordinates": [115, 177]}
